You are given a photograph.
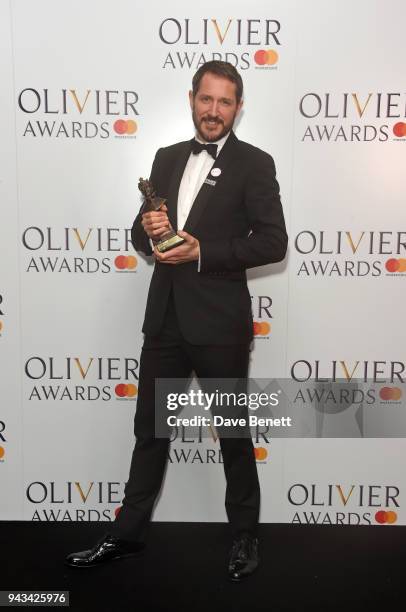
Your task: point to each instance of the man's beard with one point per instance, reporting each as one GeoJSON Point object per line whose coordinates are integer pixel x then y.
{"type": "Point", "coordinates": [214, 137]}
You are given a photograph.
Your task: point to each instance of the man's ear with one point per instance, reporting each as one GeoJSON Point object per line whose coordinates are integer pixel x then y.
{"type": "Point", "coordinates": [191, 99]}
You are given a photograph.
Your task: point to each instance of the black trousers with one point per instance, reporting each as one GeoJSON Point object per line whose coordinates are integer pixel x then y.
{"type": "Point", "coordinates": [170, 356]}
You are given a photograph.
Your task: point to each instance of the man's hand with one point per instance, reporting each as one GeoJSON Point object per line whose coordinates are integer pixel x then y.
{"type": "Point", "coordinates": [188, 251]}
{"type": "Point", "coordinates": [156, 223]}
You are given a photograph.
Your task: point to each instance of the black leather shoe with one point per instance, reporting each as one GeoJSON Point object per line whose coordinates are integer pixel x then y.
{"type": "Point", "coordinates": [107, 549]}
{"type": "Point", "coordinates": [243, 558]}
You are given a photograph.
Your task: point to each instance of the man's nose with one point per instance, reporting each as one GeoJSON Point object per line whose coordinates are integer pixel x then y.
{"type": "Point", "coordinates": [214, 108]}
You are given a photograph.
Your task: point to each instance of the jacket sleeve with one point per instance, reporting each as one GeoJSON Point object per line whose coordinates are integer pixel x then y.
{"type": "Point", "coordinates": [139, 238]}
{"type": "Point", "coordinates": [267, 241]}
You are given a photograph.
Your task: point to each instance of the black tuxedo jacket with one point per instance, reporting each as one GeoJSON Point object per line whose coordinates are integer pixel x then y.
{"type": "Point", "coordinates": [239, 223]}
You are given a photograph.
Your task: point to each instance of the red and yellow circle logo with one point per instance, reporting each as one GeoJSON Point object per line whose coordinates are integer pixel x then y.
{"type": "Point", "coordinates": [399, 129]}
{"type": "Point", "coordinates": [125, 262]}
{"type": "Point", "coordinates": [396, 265]}
{"type": "Point", "coordinates": [125, 126]}
{"type": "Point", "coordinates": [2, 452]}
{"type": "Point", "coordinates": [123, 390]}
{"type": "Point", "coordinates": [386, 517]}
{"type": "Point", "coordinates": [260, 453]}
{"type": "Point", "coordinates": [265, 57]}
{"type": "Point", "coordinates": [390, 393]}
{"type": "Point", "coordinates": [261, 328]}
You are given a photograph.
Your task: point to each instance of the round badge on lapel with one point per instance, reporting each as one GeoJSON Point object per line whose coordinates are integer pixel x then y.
{"type": "Point", "coordinates": [215, 172]}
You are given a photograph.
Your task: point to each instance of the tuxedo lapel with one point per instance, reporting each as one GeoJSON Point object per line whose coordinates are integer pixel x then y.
{"type": "Point", "coordinates": [173, 190]}
{"type": "Point", "coordinates": [209, 186]}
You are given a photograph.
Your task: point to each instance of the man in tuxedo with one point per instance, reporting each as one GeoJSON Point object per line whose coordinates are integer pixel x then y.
{"type": "Point", "coordinates": [223, 200]}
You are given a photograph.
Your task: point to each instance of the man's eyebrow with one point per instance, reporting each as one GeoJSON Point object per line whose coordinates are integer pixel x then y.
{"type": "Point", "coordinates": [224, 99]}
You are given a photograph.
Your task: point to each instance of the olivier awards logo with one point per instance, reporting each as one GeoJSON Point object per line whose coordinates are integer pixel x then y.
{"type": "Point", "coordinates": [78, 115]}
{"type": "Point", "coordinates": [73, 250]}
{"type": "Point", "coordinates": [337, 504]}
{"type": "Point", "coordinates": [188, 448]}
{"type": "Point", "coordinates": [81, 378]}
{"type": "Point", "coordinates": [350, 254]}
{"type": "Point", "coordinates": [374, 371]}
{"type": "Point", "coordinates": [356, 388]}
{"type": "Point", "coordinates": [74, 500]}
{"type": "Point", "coordinates": [189, 43]}
{"type": "Point", "coordinates": [353, 117]}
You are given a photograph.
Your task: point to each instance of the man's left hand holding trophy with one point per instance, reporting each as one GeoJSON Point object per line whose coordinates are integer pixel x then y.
{"type": "Point", "coordinates": [169, 246]}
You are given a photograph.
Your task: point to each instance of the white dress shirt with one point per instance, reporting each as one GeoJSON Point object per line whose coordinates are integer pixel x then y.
{"type": "Point", "coordinates": [196, 170]}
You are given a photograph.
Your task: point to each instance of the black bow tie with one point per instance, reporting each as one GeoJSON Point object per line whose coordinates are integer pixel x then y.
{"type": "Point", "coordinates": [198, 147]}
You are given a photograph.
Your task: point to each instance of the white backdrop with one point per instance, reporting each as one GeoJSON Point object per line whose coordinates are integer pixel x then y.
{"type": "Point", "coordinates": [89, 91]}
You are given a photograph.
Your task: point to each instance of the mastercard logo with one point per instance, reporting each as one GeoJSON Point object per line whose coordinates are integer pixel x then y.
{"type": "Point", "coordinates": [261, 329]}
{"type": "Point", "coordinates": [266, 58]}
{"type": "Point", "coordinates": [2, 452]}
{"type": "Point", "coordinates": [396, 265]}
{"type": "Point", "coordinates": [399, 129]}
{"type": "Point", "coordinates": [122, 126]}
{"type": "Point", "coordinates": [125, 262]}
{"type": "Point", "coordinates": [390, 393]}
{"type": "Point", "coordinates": [386, 517]}
{"type": "Point", "coordinates": [260, 453]}
{"type": "Point", "coordinates": [123, 390]}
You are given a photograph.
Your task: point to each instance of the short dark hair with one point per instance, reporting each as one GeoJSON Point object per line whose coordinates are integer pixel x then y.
{"type": "Point", "coordinates": [222, 69]}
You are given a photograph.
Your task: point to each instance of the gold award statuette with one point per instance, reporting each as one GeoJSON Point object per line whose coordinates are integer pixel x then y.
{"type": "Point", "coordinates": [152, 202]}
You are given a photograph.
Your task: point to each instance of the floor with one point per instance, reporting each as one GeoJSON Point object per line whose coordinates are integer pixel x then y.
{"type": "Point", "coordinates": [303, 568]}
